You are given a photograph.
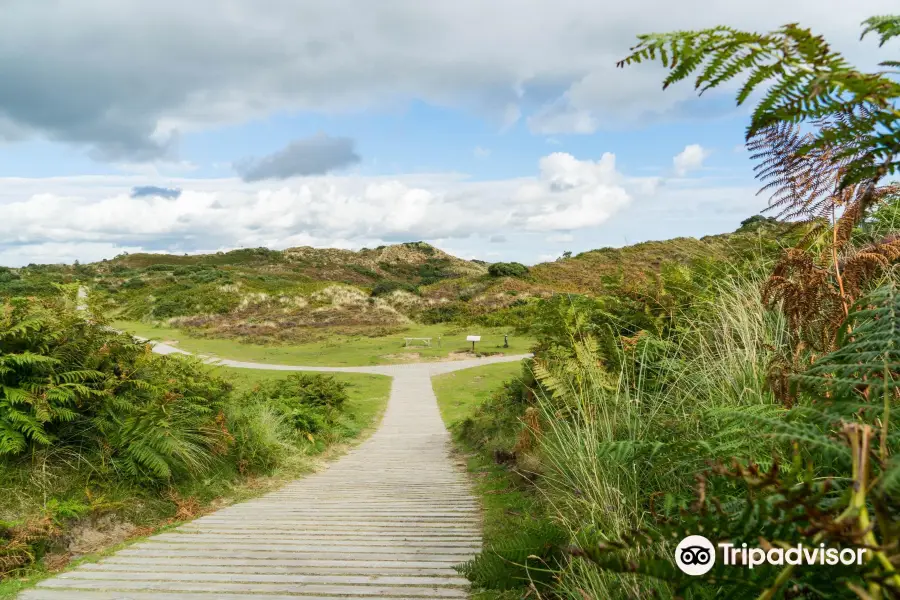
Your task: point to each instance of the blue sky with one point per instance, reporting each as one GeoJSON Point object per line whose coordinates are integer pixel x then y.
{"type": "Point", "coordinates": [508, 137]}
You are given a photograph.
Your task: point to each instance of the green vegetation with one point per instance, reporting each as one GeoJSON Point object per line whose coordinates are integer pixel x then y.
{"type": "Point", "coordinates": [306, 296]}
{"type": "Point", "coordinates": [101, 440]}
{"type": "Point", "coordinates": [459, 393]}
{"type": "Point", "coordinates": [510, 269]}
{"type": "Point", "coordinates": [344, 350]}
{"type": "Point", "coordinates": [617, 428]}
{"type": "Point", "coordinates": [507, 497]}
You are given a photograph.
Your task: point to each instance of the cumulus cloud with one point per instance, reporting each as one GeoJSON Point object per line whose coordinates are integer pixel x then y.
{"type": "Point", "coordinates": [573, 194]}
{"type": "Point", "coordinates": [348, 211]}
{"type": "Point", "coordinates": [142, 191]}
{"type": "Point", "coordinates": [316, 155]}
{"type": "Point", "coordinates": [128, 97]}
{"type": "Point", "coordinates": [689, 159]}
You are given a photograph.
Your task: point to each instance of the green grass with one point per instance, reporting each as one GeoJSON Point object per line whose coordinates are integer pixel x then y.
{"type": "Point", "coordinates": [459, 393]}
{"type": "Point", "coordinates": [505, 500]}
{"type": "Point", "coordinates": [340, 350]}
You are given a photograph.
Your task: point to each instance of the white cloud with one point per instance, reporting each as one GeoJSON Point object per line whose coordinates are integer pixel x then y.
{"type": "Point", "coordinates": [160, 168]}
{"type": "Point", "coordinates": [562, 117]}
{"type": "Point", "coordinates": [171, 66]}
{"type": "Point", "coordinates": [573, 194]}
{"type": "Point", "coordinates": [563, 238]}
{"type": "Point", "coordinates": [690, 159]}
{"type": "Point", "coordinates": [101, 213]}
{"type": "Point", "coordinates": [480, 152]}
{"type": "Point", "coordinates": [60, 252]}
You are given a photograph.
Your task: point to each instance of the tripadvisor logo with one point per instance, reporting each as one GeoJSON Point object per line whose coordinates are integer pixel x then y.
{"type": "Point", "coordinates": [696, 555]}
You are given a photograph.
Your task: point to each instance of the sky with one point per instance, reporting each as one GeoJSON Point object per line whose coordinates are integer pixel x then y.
{"type": "Point", "coordinates": [498, 130]}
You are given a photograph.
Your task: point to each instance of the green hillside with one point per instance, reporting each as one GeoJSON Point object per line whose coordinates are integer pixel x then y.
{"type": "Point", "coordinates": [301, 295]}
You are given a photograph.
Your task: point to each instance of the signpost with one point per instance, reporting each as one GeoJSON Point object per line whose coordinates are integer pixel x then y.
{"type": "Point", "coordinates": [473, 339]}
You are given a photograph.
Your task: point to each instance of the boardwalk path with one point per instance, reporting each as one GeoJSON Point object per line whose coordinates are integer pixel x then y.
{"type": "Point", "coordinates": [388, 520]}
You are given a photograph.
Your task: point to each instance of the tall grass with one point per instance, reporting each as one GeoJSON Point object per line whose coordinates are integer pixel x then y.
{"type": "Point", "coordinates": [615, 446]}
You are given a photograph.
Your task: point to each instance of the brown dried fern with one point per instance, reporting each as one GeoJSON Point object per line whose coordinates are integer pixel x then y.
{"type": "Point", "coordinates": [531, 432]}
{"type": "Point", "coordinates": [807, 186]}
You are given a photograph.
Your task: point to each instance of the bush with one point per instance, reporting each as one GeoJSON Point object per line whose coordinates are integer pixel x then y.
{"type": "Point", "coordinates": [260, 434]}
{"type": "Point", "coordinates": [134, 283]}
{"type": "Point", "coordinates": [67, 381]}
{"type": "Point", "coordinates": [160, 267]}
{"type": "Point", "coordinates": [308, 403]}
{"type": "Point", "coordinates": [383, 288]}
{"type": "Point", "coordinates": [620, 417]}
{"type": "Point", "coordinates": [757, 222]}
{"type": "Point", "coordinates": [440, 314]}
{"type": "Point", "coordinates": [434, 270]}
{"type": "Point", "coordinates": [364, 271]}
{"type": "Point", "coordinates": [211, 276]}
{"type": "Point", "coordinates": [510, 269]}
{"type": "Point", "coordinates": [7, 275]}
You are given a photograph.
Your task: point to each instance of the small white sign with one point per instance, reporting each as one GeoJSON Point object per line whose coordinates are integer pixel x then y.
{"type": "Point", "coordinates": [473, 338]}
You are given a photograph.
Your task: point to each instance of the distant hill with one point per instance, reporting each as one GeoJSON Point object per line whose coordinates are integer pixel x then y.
{"type": "Point", "coordinates": [301, 293]}
{"type": "Point", "coordinates": [412, 262]}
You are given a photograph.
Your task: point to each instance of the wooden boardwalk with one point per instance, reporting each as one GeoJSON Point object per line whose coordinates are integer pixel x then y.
{"type": "Point", "coordinates": [388, 520]}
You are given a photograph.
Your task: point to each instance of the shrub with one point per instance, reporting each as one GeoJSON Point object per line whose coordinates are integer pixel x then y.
{"type": "Point", "coordinates": [308, 403]}
{"type": "Point", "coordinates": [160, 267]}
{"type": "Point", "coordinates": [364, 271]}
{"type": "Point", "coordinates": [434, 270]}
{"type": "Point", "coordinates": [423, 247]}
{"type": "Point", "coordinates": [66, 380]}
{"type": "Point", "coordinates": [383, 288]}
{"type": "Point", "coordinates": [757, 222]}
{"type": "Point", "coordinates": [7, 275]}
{"type": "Point", "coordinates": [211, 276]}
{"type": "Point", "coordinates": [510, 269]}
{"type": "Point", "coordinates": [260, 434]}
{"type": "Point", "coordinates": [134, 283]}
{"type": "Point", "coordinates": [441, 314]}
{"type": "Point", "coordinates": [183, 300]}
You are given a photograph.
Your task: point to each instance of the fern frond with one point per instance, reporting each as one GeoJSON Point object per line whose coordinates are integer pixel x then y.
{"type": "Point", "coordinates": [887, 27]}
